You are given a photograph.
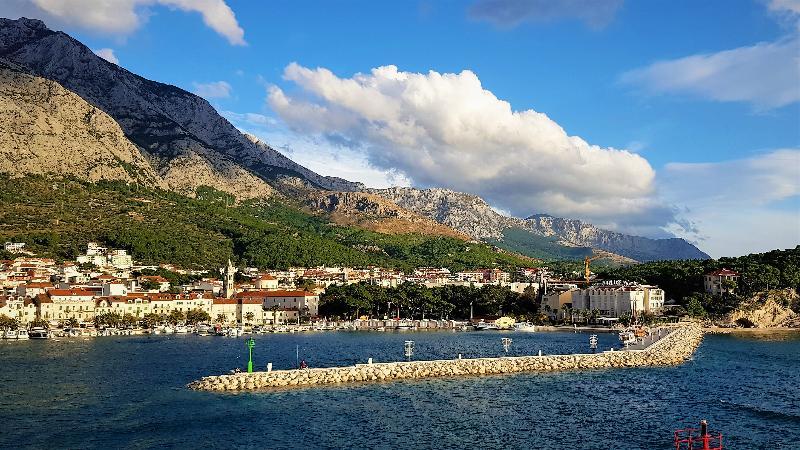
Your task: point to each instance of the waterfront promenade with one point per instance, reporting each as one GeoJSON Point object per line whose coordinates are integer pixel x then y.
{"type": "Point", "coordinates": [673, 348]}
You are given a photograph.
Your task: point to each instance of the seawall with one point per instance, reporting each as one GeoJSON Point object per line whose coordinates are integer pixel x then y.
{"type": "Point", "coordinates": [672, 349]}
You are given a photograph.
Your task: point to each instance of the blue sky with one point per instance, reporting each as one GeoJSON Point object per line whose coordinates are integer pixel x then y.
{"type": "Point", "coordinates": [701, 97]}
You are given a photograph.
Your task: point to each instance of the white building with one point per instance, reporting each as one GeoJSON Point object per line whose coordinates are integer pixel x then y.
{"type": "Point", "coordinates": [720, 281]}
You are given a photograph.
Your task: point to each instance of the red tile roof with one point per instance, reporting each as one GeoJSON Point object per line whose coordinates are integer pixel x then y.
{"type": "Point", "coordinates": [71, 293]}
{"type": "Point", "coordinates": [723, 272]}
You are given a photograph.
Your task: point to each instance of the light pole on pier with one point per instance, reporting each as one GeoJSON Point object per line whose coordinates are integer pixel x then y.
{"type": "Point", "coordinates": [250, 344]}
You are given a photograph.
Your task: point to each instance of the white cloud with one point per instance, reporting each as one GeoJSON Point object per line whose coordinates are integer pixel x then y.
{"type": "Point", "coordinates": [447, 130]}
{"type": "Point", "coordinates": [212, 90]}
{"type": "Point", "coordinates": [125, 16]}
{"type": "Point", "coordinates": [510, 13]}
{"type": "Point", "coordinates": [107, 54]}
{"type": "Point", "coordinates": [742, 206]}
{"type": "Point", "coordinates": [249, 119]}
{"type": "Point", "coordinates": [765, 74]}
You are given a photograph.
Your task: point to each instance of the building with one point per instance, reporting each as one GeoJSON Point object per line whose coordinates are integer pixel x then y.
{"type": "Point", "coordinates": [299, 300]}
{"type": "Point", "coordinates": [721, 281]}
{"type": "Point", "coordinates": [267, 282]}
{"type": "Point", "coordinates": [228, 277]}
{"type": "Point", "coordinates": [14, 247]}
{"type": "Point", "coordinates": [616, 300]}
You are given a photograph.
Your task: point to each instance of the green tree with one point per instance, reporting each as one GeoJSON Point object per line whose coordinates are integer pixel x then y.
{"type": "Point", "coordinates": [197, 315]}
{"type": "Point", "coordinates": [249, 316]}
{"type": "Point", "coordinates": [175, 317]}
{"type": "Point", "coordinates": [695, 308]}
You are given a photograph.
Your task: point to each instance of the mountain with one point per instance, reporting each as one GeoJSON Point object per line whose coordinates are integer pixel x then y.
{"type": "Point", "coordinates": [565, 238]}
{"type": "Point", "coordinates": [71, 113]}
{"type": "Point", "coordinates": [46, 129]}
{"type": "Point", "coordinates": [180, 132]}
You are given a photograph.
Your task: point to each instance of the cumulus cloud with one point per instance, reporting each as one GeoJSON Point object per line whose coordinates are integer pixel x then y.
{"type": "Point", "coordinates": [445, 129]}
{"type": "Point", "coordinates": [212, 90]}
{"type": "Point", "coordinates": [125, 16]}
{"type": "Point", "coordinates": [765, 74]}
{"type": "Point", "coordinates": [510, 13]}
{"type": "Point", "coordinates": [743, 206]}
{"type": "Point", "coordinates": [107, 54]}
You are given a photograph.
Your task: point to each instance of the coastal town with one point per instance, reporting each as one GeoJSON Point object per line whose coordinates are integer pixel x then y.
{"type": "Point", "coordinates": [107, 283]}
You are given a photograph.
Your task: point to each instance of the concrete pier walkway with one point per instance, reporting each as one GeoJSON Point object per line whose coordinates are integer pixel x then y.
{"type": "Point", "coordinates": [673, 348]}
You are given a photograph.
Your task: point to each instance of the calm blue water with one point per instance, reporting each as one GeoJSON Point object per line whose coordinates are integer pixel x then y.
{"type": "Point", "coordinates": [129, 392]}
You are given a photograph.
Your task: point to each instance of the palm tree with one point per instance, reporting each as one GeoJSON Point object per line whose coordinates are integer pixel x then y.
{"type": "Point", "coordinates": [249, 316]}
{"type": "Point", "coordinates": [221, 318]}
{"type": "Point", "coordinates": [274, 309]}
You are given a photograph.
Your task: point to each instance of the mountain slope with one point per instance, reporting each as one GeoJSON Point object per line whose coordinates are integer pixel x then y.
{"type": "Point", "coordinates": [163, 120]}
{"type": "Point", "coordinates": [203, 232]}
{"type": "Point", "coordinates": [45, 128]}
{"type": "Point", "coordinates": [472, 215]}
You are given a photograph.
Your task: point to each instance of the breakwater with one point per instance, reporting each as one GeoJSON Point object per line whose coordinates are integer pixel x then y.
{"type": "Point", "coordinates": [674, 348]}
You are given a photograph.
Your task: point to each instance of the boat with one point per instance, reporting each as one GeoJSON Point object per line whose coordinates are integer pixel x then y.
{"type": "Point", "coordinates": [404, 326]}
{"type": "Point", "coordinates": [483, 326]}
{"type": "Point", "coordinates": [181, 329]}
{"type": "Point", "coordinates": [10, 334]}
{"type": "Point", "coordinates": [22, 335]}
{"type": "Point", "coordinates": [39, 333]}
{"type": "Point", "coordinates": [168, 329]}
{"type": "Point", "coordinates": [526, 327]}
{"type": "Point", "coordinates": [628, 337]}
{"type": "Point", "coordinates": [203, 330]}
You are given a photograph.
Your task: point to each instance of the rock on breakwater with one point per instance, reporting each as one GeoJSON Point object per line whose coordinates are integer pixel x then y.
{"type": "Point", "coordinates": [672, 349]}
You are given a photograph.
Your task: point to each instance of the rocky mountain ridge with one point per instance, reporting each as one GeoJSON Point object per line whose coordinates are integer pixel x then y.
{"type": "Point", "coordinates": [472, 215]}
{"type": "Point", "coordinates": [180, 131]}
{"type": "Point", "coordinates": [169, 138]}
{"type": "Point", "coordinates": [39, 119]}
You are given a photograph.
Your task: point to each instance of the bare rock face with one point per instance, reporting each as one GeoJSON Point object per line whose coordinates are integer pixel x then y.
{"type": "Point", "coordinates": [162, 120]}
{"type": "Point", "coordinates": [376, 213]}
{"type": "Point", "coordinates": [767, 310]}
{"type": "Point", "coordinates": [46, 129]}
{"type": "Point", "coordinates": [466, 213]}
{"type": "Point", "coordinates": [471, 215]}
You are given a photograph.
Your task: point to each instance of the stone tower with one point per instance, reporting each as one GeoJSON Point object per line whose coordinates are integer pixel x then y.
{"type": "Point", "coordinates": [227, 280]}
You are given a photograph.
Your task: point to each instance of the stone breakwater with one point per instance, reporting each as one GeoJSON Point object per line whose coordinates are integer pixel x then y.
{"type": "Point", "coordinates": [673, 349]}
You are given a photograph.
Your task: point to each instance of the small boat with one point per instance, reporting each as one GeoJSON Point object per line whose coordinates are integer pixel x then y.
{"type": "Point", "coordinates": [483, 326]}
{"type": "Point", "coordinates": [168, 330]}
{"type": "Point", "coordinates": [628, 337]}
{"type": "Point", "coordinates": [526, 327]}
{"type": "Point", "coordinates": [22, 335]}
{"type": "Point", "coordinates": [39, 333]}
{"type": "Point", "coordinates": [203, 330]}
{"type": "Point", "coordinates": [181, 329]}
{"type": "Point", "coordinates": [10, 334]}
{"type": "Point", "coordinates": [404, 326]}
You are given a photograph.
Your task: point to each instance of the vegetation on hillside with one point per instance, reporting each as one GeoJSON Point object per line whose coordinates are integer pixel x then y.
{"type": "Point", "coordinates": [683, 280]}
{"type": "Point", "coordinates": [57, 218]}
{"type": "Point", "coordinates": [536, 246]}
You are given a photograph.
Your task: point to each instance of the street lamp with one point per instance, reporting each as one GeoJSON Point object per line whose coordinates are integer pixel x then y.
{"type": "Point", "coordinates": [250, 344]}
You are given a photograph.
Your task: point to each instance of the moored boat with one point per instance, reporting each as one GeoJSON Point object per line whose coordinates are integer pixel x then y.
{"type": "Point", "coordinates": [39, 333]}
{"type": "Point", "coordinates": [22, 335]}
{"type": "Point", "coordinates": [10, 334]}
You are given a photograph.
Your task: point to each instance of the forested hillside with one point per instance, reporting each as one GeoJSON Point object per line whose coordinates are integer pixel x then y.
{"type": "Point", "coordinates": [58, 217]}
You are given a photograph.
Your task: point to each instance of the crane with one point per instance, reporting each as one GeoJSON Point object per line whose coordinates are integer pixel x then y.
{"type": "Point", "coordinates": [588, 272]}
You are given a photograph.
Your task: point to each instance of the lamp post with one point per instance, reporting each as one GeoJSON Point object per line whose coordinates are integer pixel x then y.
{"type": "Point", "coordinates": [250, 344]}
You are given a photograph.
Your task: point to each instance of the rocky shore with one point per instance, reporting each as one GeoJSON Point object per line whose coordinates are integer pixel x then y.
{"type": "Point", "coordinates": [673, 349]}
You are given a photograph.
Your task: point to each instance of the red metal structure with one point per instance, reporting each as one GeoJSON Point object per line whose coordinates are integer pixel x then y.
{"type": "Point", "coordinates": [698, 438]}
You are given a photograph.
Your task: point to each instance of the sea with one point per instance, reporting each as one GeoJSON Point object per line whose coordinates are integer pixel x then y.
{"type": "Point", "coordinates": [130, 392]}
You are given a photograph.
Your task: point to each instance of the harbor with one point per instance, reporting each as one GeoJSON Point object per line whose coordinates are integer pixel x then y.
{"type": "Point", "coordinates": [668, 347]}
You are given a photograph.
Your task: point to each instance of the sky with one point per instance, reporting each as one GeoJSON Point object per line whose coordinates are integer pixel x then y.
{"type": "Point", "coordinates": [659, 118]}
